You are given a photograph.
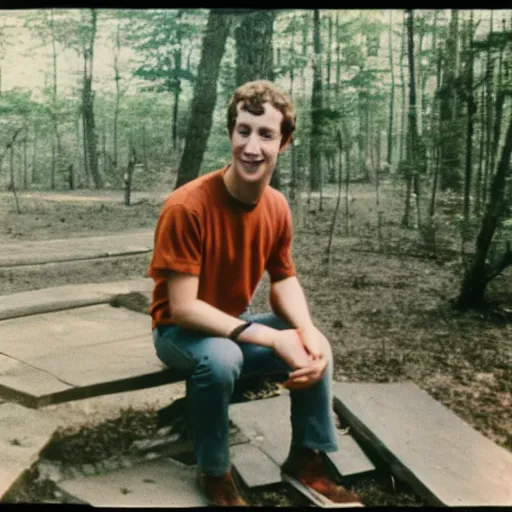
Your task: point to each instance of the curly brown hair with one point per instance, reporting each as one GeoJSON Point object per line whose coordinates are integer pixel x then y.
{"type": "Point", "coordinates": [253, 95]}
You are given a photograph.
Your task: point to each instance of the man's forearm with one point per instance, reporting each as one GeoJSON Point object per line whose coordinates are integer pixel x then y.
{"type": "Point", "coordinates": [199, 315]}
{"type": "Point", "coordinates": [289, 302]}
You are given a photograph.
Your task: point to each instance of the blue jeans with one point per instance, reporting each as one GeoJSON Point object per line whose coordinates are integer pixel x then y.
{"type": "Point", "coordinates": [218, 363]}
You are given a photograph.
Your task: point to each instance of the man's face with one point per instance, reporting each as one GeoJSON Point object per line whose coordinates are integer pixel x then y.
{"type": "Point", "coordinates": [255, 143]}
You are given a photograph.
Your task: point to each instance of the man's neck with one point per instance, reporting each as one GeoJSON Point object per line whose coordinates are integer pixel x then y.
{"type": "Point", "coordinates": [243, 192]}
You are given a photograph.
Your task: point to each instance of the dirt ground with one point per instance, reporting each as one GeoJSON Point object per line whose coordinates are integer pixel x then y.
{"type": "Point", "coordinates": [383, 301]}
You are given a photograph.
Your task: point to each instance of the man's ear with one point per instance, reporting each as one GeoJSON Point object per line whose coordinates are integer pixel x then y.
{"type": "Point", "coordinates": [286, 143]}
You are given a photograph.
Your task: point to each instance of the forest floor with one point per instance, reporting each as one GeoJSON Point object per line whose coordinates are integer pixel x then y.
{"type": "Point", "coordinates": [383, 301]}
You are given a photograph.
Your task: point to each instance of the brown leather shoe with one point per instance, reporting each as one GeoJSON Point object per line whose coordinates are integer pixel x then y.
{"type": "Point", "coordinates": [220, 491]}
{"type": "Point", "coordinates": [310, 469]}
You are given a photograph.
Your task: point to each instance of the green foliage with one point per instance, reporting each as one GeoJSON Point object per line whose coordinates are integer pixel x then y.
{"type": "Point", "coordinates": [160, 37]}
{"type": "Point", "coordinates": [15, 102]}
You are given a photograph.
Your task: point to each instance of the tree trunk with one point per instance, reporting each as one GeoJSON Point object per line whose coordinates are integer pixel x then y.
{"type": "Point", "coordinates": [435, 151]}
{"type": "Point", "coordinates": [176, 83]}
{"type": "Point", "coordinates": [469, 133]}
{"type": "Point", "coordinates": [500, 99]}
{"type": "Point", "coordinates": [144, 151]}
{"type": "Point", "coordinates": [25, 165]}
{"type": "Point", "coordinates": [34, 153]}
{"type": "Point", "coordinates": [450, 140]}
{"type": "Point", "coordinates": [205, 95]}
{"type": "Point", "coordinates": [315, 170]}
{"type": "Point", "coordinates": [412, 129]}
{"type": "Point", "coordinates": [88, 106]}
{"type": "Point", "coordinates": [404, 96]}
{"type": "Point", "coordinates": [305, 34]}
{"type": "Point", "coordinates": [329, 57]}
{"type": "Point", "coordinates": [389, 157]}
{"type": "Point", "coordinates": [128, 175]}
{"type": "Point", "coordinates": [54, 166]}
{"type": "Point", "coordinates": [478, 184]}
{"type": "Point", "coordinates": [117, 78]}
{"type": "Point", "coordinates": [338, 199]}
{"type": "Point", "coordinates": [292, 51]}
{"type": "Point", "coordinates": [338, 55]}
{"type": "Point", "coordinates": [479, 274]}
{"type": "Point", "coordinates": [254, 53]}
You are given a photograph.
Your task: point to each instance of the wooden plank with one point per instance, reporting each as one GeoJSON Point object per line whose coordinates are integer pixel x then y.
{"type": "Point", "coordinates": [59, 298]}
{"type": "Point", "coordinates": [104, 362]}
{"type": "Point", "coordinates": [350, 459]}
{"type": "Point", "coordinates": [439, 455]}
{"type": "Point", "coordinates": [19, 381]}
{"type": "Point", "coordinates": [267, 423]}
{"type": "Point", "coordinates": [31, 338]}
{"type": "Point", "coordinates": [69, 249]}
{"type": "Point", "coordinates": [23, 435]}
{"type": "Point", "coordinates": [254, 466]}
{"type": "Point", "coordinates": [81, 353]}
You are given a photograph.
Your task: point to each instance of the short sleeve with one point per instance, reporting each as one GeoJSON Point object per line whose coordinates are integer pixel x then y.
{"type": "Point", "coordinates": [177, 242]}
{"type": "Point", "coordinates": [280, 264]}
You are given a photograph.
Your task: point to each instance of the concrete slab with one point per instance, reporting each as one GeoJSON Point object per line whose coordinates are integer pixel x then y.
{"type": "Point", "coordinates": [439, 455]}
{"type": "Point", "coordinates": [52, 334]}
{"type": "Point", "coordinates": [267, 423]}
{"type": "Point", "coordinates": [254, 466]}
{"type": "Point", "coordinates": [23, 435]}
{"type": "Point", "coordinates": [78, 353]}
{"type": "Point", "coordinates": [158, 483]}
{"type": "Point", "coordinates": [36, 252]}
{"type": "Point", "coordinates": [71, 296]}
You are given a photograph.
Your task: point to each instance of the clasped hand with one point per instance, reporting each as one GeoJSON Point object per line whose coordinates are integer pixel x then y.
{"type": "Point", "coordinates": [306, 352]}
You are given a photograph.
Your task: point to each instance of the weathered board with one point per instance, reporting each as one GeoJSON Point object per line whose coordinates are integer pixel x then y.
{"type": "Point", "coordinates": [78, 353]}
{"type": "Point", "coordinates": [71, 249]}
{"type": "Point", "coordinates": [439, 455]}
{"type": "Point", "coordinates": [68, 296]}
{"type": "Point", "coordinates": [254, 466]}
{"type": "Point", "coordinates": [267, 424]}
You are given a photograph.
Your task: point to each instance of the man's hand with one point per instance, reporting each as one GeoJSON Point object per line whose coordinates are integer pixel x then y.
{"type": "Point", "coordinates": [319, 350]}
{"type": "Point", "coordinates": [288, 346]}
{"type": "Point", "coordinates": [306, 377]}
{"type": "Point", "coordinates": [315, 342]}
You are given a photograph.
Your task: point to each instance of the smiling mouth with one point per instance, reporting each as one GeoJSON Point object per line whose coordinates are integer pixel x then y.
{"type": "Point", "coordinates": [252, 163]}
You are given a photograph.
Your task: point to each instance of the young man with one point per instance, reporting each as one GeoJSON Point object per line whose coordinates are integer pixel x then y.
{"type": "Point", "coordinates": [215, 237]}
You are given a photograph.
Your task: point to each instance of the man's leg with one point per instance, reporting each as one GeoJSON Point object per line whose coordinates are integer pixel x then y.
{"type": "Point", "coordinates": [313, 430]}
{"type": "Point", "coordinates": [218, 364]}
{"type": "Point", "coordinates": [311, 408]}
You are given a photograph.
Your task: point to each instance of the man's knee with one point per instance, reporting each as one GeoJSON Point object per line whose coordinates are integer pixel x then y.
{"type": "Point", "coordinates": [223, 365]}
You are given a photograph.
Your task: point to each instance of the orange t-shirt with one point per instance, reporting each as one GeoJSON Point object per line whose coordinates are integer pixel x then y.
{"type": "Point", "coordinates": [204, 231]}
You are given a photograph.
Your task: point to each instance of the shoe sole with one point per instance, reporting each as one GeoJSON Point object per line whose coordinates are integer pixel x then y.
{"type": "Point", "coordinates": [318, 499]}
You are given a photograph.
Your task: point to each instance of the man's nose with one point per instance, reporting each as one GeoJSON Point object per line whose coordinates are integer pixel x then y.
{"type": "Point", "coordinates": [252, 145]}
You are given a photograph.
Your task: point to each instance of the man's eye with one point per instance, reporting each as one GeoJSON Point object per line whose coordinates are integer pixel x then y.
{"type": "Point", "coordinates": [243, 132]}
{"type": "Point", "coordinates": [267, 135]}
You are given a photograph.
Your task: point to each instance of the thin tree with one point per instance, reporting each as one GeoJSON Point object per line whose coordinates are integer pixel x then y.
{"type": "Point", "coordinates": [338, 197]}
{"type": "Point", "coordinates": [117, 78]}
{"type": "Point", "coordinates": [412, 165]}
{"type": "Point", "coordinates": [470, 120]}
{"type": "Point", "coordinates": [392, 94]}
{"type": "Point", "coordinates": [90, 135]}
{"type": "Point", "coordinates": [315, 170]}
